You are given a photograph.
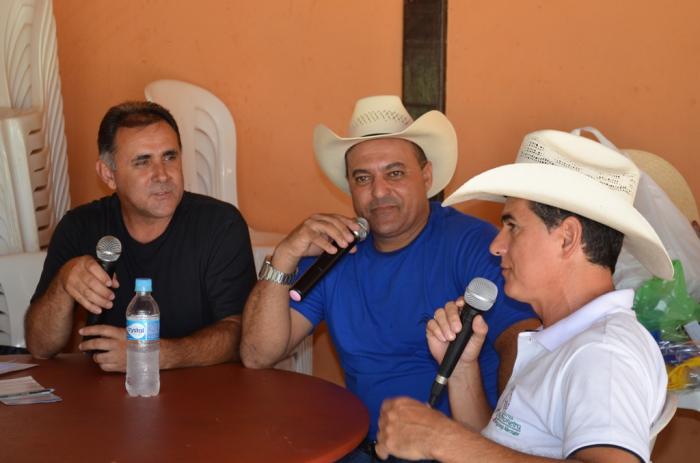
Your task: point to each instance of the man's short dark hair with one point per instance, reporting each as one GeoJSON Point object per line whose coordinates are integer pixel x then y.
{"type": "Point", "coordinates": [420, 155]}
{"type": "Point", "coordinates": [601, 244]}
{"type": "Point", "coordinates": [130, 114]}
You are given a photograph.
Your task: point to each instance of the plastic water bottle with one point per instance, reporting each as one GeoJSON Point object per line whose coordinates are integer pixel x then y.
{"type": "Point", "coordinates": [143, 342]}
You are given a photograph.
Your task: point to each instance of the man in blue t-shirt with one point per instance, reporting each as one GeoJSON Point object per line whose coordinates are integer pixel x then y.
{"type": "Point", "coordinates": [377, 300]}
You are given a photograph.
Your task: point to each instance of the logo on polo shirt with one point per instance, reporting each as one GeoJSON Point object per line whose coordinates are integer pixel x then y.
{"type": "Point", "coordinates": [504, 420]}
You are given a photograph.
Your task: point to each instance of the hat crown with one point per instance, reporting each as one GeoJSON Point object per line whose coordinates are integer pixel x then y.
{"type": "Point", "coordinates": [587, 157]}
{"type": "Point", "coordinates": [378, 115]}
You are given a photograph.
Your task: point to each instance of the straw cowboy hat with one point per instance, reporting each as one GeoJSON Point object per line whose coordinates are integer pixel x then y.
{"type": "Point", "coordinates": [579, 175]}
{"type": "Point", "coordinates": [669, 179]}
{"type": "Point", "coordinates": [378, 117]}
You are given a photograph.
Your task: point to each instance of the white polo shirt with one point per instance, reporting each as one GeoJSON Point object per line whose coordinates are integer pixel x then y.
{"type": "Point", "coordinates": [593, 378]}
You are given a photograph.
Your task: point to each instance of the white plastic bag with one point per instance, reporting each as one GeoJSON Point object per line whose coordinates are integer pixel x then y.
{"type": "Point", "coordinates": [671, 225]}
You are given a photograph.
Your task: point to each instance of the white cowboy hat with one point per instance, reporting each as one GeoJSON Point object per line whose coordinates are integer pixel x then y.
{"type": "Point", "coordinates": [579, 175]}
{"type": "Point", "coordinates": [377, 117]}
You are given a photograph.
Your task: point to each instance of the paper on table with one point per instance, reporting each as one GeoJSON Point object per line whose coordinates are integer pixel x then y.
{"type": "Point", "coordinates": [8, 367]}
{"type": "Point", "coordinates": [24, 390]}
{"type": "Point", "coordinates": [33, 398]}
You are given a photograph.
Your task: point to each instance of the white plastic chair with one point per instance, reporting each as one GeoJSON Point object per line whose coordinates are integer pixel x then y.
{"type": "Point", "coordinates": [19, 274]}
{"type": "Point", "coordinates": [23, 145]}
{"type": "Point", "coordinates": [667, 412]}
{"type": "Point", "coordinates": [208, 136]}
{"type": "Point", "coordinates": [31, 109]}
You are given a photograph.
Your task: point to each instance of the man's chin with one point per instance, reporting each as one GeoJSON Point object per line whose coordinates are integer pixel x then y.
{"type": "Point", "coordinates": [383, 216]}
{"type": "Point", "coordinates": [162, 210]}
{"type": "Point", "coordinates": [511, 291]}
{"type": "Point", "coordinates": [383, 228]}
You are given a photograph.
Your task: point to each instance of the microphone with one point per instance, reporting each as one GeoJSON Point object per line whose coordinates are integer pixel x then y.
{"type": "Point", "coordinates": [325, 262]}
{"type": "Point", "coordinates": [108, 250]}
{"type": "Point", "coordinates": [479, 297]}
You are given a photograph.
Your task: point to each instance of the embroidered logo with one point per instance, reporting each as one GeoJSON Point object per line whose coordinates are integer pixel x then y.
{"type": "Point", "coordinates": [504, 420]}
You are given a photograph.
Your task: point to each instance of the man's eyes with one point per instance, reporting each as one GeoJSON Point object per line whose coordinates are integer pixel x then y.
{"type": "Point", "coordinates": [365, 179]}
{"type": "Point", "coordinates": [140, 162]}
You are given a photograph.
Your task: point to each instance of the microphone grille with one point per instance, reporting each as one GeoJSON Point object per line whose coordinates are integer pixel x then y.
{"type": "Point", "coordinates": [109, 248]}
{"type": "Point", "coordinates": [481, 294]}
{"type": "Point", "coordinates": [362, 233]}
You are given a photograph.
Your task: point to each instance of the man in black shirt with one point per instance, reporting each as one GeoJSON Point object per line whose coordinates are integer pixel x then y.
{"type": "Point", "coordinates": [195, 249]}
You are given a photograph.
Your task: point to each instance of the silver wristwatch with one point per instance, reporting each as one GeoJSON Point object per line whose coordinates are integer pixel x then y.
{"type": "Point", "coordinates": [270, 273]}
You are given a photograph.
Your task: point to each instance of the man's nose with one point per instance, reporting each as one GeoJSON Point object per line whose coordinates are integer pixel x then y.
{"type": "Point", "coordinates": [380, 187]}
{"type": "Point", "coordinates": [160, 173]}
{"type": "Point", "coordinates": [499, 246]}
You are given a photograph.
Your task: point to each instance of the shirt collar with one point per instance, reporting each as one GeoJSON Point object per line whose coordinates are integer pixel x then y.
{"type": "Point", "coordinates": [554, 336]}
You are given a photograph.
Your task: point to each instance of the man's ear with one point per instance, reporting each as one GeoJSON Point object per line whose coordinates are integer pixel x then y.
{"type": "Point", "coordinates": [427, 172]}
{"type": "Point", "coordinates": [571, 232]}
{"type": "Point", "coordinates": [106, 174]}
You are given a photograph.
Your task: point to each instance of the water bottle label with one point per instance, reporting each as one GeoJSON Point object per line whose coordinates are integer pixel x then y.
{"type": "Point", "coordinates": [142, 329]}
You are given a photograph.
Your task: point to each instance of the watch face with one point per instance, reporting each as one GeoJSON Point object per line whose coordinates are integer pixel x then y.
{"type": "Point", "coordinates": [266, 271]}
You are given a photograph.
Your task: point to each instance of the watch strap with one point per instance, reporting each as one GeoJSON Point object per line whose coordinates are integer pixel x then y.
{"type": "Point", "coordinates": [270, 273]}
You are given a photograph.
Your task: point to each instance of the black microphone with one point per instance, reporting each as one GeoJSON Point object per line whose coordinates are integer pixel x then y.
{"type": "Point", "coordinates": [479, 297]}
{"type": "Point", "coordinates": [108, 250]}
{"type": "Point", "coordinates": [325, 262]}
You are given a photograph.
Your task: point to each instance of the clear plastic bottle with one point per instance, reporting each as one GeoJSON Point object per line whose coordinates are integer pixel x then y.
{"type": "Point", "coordinates": [143, 342]}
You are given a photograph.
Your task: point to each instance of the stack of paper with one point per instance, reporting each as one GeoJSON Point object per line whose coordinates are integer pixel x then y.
{"type": "Point", "coordinates": [25, 390]}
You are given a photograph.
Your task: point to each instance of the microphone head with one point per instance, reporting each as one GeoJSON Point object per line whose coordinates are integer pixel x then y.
{"type": "Point", "coordinates": [362, 233]}
{"type": "Point", "coordinates": [109, 248]}
{"type": "Point", "coordinates": [481, 294]}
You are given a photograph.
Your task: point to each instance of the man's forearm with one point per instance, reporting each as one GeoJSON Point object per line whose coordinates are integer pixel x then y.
{"type": "Point", "coordinates": [456, 446]}
{"type": "Point", "coordinates": [468, 402]}
{"type": "Point", "coordinates": [49, 321]}
{"type": "Point", "coordinates": [266, 325]}
{"type": "Point", "coordinates": [213, 344]}
{"type": "Point", "coordinates": [463, 445]}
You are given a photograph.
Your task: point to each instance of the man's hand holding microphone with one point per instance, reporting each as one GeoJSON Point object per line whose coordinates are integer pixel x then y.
{"type": "Point", "coordinates": [329, 236]}
{"type": "Point", "coordinates": [455, 336]}
{"type": "Point", "coordinates": [106, 343]}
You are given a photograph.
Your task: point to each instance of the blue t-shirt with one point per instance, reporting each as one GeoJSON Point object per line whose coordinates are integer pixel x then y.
{"type": "Point", "coordinates": [377, 305]}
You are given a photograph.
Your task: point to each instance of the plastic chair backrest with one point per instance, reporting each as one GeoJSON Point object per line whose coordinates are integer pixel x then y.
{"type": "Point", "coordinates": [19, 274]}
{"type": "Point", "coordinates": [667, 412]}
{"type": "Point", "coordinates": [208, 136]}
{"type": "Point", "coordinates": [23, 143]}
{"type": "Point", "coordinates": [29, 80]}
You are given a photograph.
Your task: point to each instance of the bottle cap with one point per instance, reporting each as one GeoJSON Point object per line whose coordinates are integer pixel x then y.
{"type": "Point", "coordinates": [143, 285]}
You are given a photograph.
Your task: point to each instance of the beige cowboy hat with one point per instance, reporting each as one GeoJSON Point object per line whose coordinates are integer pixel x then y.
{"type": "Point", "coordinates": [579, 175]}
{"type": "Point", "coordinates": [385, 116]}
{"type": "Point", "coordinates": [669, 179]}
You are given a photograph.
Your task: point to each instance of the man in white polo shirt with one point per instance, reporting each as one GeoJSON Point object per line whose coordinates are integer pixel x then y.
{"type": "Point", "coordinates": [590, 383]}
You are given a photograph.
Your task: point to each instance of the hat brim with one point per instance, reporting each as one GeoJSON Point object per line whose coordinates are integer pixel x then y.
{"type": "Point", "coordinates": [433, 132]}
{"type": "Point", "coordinates": [566, 189]}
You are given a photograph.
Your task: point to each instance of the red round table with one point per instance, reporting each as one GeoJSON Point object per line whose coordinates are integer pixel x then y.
{"type": "Point", "coordinates": [220, 413]}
